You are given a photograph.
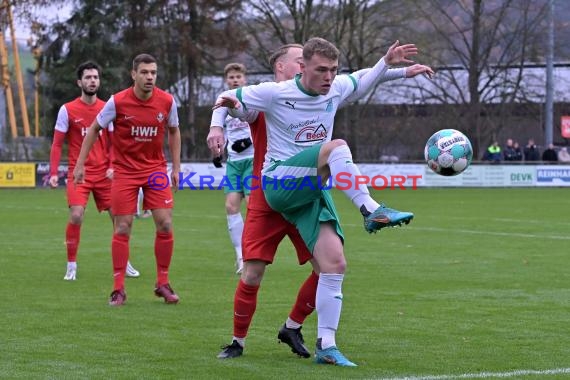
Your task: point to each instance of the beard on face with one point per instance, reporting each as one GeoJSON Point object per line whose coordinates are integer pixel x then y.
{"type": "Point", "coordinates": [88, 92]}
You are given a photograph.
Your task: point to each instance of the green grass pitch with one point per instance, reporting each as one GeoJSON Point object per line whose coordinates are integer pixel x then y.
{"type": "Point", "coordinates": [478, 283]}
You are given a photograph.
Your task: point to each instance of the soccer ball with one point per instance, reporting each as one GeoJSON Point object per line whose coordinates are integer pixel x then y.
{"type": "Point", "coordinates": [448, 152]}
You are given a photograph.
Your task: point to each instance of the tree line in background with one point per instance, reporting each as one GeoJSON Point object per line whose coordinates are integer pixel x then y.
{"type": "Point", "coordinates": [194, 39]}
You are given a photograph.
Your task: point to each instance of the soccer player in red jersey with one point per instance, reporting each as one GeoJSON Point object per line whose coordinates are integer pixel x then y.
{"type": "Point", "coordinates": [265, 228]}
{"type": "Point", "coordinates": [142, 115]}
{"type": "Point", "coordinates": [73, 121]}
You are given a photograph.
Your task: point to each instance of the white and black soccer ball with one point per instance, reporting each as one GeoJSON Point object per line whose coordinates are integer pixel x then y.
{"type": "Point", "coordinates": [448, 152]}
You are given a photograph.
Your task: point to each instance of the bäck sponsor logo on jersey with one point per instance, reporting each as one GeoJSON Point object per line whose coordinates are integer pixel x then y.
{"type": "Point", "coordinates": [141, 131]}
{"type": "Point", "coordinates": [302, 124]}
{"type": "Point", "coordinates": [311, 134]}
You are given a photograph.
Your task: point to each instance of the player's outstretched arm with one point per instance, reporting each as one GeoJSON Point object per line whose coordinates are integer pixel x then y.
{"type": "Point", "coordinates": [227, 103]}
{"type": "Point", "coordinates": [417, 69]}
{"type": "Point", "coordinates": [397, 54]}
{"type": "Point", "coordinates": [174, 144]}
{"type": "Point", "coordinates": [228, 100]}
{"type": "Point", "coordinates": [88, 141]}
{"type": "Point", "coordinates": [257, 97]}
{"type": "Point", "coordinates": [233, 108]}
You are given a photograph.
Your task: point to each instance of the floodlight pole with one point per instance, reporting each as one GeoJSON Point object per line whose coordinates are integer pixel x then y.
{"type": "Point", "coordinates": [18, 69]}
{"type": "Point", "coordinates": [549, 111]}
{"type": "Point", "coordinates": [5, 82]}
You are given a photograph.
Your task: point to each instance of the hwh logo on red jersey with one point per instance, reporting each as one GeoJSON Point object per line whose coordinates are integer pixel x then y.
{"type": "Point", "coordinates": [85, 129]}
{"type": "Point", "coordinates": [144, 131]}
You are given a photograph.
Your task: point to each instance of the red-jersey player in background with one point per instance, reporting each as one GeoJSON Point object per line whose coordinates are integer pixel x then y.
{"type": "Point", "coordinates": [141, 116]}
{"type": "Point", "coordinates": [72, 122]}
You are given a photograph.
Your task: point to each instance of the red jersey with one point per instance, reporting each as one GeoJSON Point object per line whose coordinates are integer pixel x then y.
{"type": "Point", "coordinates": [73, 121]}
{"type": "Point", "coordinates": [259, 137]}
{"type": "Point", "coordinates": [139, 128]}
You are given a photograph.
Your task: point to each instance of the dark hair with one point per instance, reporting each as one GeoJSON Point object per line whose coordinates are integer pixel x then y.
{"type": "Point", "coordinates": [89, 65]}
{"type": "Point", "coordinates": [277, 54]}
{"type": "Point", "coordinates": [320, 46]}
{"type": "Point", "coordinates": [142, 58]}
{"type": "Point", "coordinates": [239, 67]}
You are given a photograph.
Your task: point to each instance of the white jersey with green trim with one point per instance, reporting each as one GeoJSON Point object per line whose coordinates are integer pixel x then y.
{"type": "Point", "coordinates": [235, 130]}
{"type": "Point", "coordinates": [295, 119]}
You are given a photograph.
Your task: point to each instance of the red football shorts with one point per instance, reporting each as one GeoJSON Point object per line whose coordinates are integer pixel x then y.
{"type": "Point", "coordinates": [262, 233]}
{"type": "Point", "coordinates": [125, 191]}
{"type": "Point", "coordinates": [78, 194]}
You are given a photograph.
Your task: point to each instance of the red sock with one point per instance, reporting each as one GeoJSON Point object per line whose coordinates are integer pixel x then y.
{"type": "Point", "coordinates": [305, 303]}
{"type": "Point", "coordinates": [163, 248]}
{"type": "Point", "coordinates": [72, 237]}
{"type": "Point", "coordinates": [120, 253]}
{"type": "Point", "coordinates": [245, 302]}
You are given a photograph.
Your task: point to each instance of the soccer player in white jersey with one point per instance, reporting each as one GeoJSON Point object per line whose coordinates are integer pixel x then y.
{"type": "Point", "coordinates": [299, 116]}
{"type": "Point", "coordinates": [239, 165]}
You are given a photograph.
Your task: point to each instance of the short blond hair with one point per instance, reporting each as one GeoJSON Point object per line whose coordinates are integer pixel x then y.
{"type": "Point", "coordinates": [234, 66]}
{"type": "Point", "coordinates": [280, 52]}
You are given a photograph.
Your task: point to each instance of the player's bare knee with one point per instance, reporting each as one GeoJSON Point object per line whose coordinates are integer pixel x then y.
{"type": "Point", "coordinates": [326, 150]}
{"type": "Point", "coordinates": [233, 203]}
{"type": "Point", "coordinates": [76, 214]}
{"type": "Point", "coordinates": [341, 266]}
{"type": "Point", "coordinates": [164, 225]}
{"type": "Point", "coordinates": [337, 265]}
{"type": "Point", "coordinates": [252, 278]}
{"type": "Point", "coordinates": [232, 209]}
{"type": "Point", "coordinates": [123, 228]}
{"type": "Point", "coordinates": [252, 273]}
{"type": "Point", "coordinates": [331, 260]}
{"type": "Point", "coordinates": [331, 145]}
{"type": "Point", "coordinates": [76, 218]}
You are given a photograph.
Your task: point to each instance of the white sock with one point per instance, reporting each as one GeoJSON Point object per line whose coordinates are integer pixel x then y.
{"type": "Point", "coordinates": [329, 306]}
{"type": "Point", "coordinates": [291, 324]}
{"type": "Point", "coordinates": [340, 162]}
{"type": "Point", "coordinates": [235, 227]}
{"type": "Point", "coordinates": [241, 341]}
{"type": "Point", "coordinates": [71, 265]}
{"type": "Point", "coordinates": [139, 201]}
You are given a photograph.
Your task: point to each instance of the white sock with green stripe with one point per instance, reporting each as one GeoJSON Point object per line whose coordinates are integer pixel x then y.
{"type": "Point", "coordinates": [328, 306]}
{"type": "Point", "coordinates": [235, 227]}
{"type": "Point", "coordinates": [341, 165]}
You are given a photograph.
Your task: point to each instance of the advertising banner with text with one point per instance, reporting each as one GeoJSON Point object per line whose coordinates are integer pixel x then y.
{"type": "Point", "coordinates": [196, 176]}
{"type": "Point", "coordinates": [16, 174]}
